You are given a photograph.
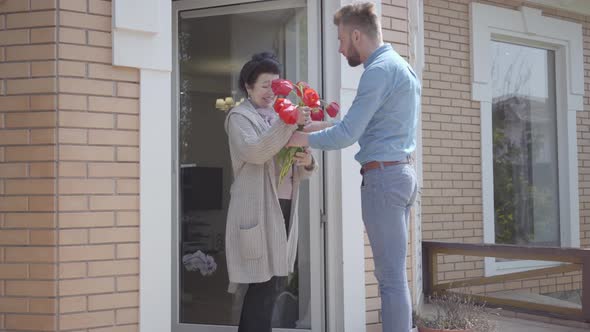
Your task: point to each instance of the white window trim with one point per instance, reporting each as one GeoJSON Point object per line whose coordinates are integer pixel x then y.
{"type": "Point", "coordinates": [142, 38]}
{"type": "Point", "coordinates": [527, 26]}
{"type": "Point", "coordinates": [417, 58]}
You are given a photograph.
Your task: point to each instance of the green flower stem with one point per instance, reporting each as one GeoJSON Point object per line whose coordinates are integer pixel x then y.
{"type": "Point", "coordinates": [286, 160]}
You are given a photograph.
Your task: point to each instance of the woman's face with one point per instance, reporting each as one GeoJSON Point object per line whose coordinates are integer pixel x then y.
{"type": "Point", "coordinates": [260, 92]}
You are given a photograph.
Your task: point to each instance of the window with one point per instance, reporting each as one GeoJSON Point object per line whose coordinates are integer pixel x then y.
{"type": "Point", "coordinates": [524, 129]}
{"type": "Point", "coordinates": [528, 77]}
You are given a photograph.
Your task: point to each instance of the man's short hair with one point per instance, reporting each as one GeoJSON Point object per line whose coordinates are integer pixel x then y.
{"type": "Point", "coordinates": [361, 16]}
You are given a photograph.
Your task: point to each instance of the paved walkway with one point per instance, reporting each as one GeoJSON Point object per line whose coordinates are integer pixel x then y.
{"type": "Point", "coordinates": [522, 324]}
{"type": "Point", "coordinates": [508, 324]}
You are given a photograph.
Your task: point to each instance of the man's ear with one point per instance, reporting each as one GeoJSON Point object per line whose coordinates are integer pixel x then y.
{"type": "Point", "coordinates": [356, 35]}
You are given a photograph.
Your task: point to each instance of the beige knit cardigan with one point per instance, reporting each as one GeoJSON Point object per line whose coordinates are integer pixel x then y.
{"type": "Point", "coordinates": [256, 243]}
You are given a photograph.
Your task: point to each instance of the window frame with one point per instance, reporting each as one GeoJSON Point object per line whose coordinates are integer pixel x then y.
{"type": "Point", "coordinates": [528, 27]}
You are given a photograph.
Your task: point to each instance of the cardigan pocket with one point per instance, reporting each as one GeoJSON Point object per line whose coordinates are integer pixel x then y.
{"type": "Point", "coordinates": [251, 242]}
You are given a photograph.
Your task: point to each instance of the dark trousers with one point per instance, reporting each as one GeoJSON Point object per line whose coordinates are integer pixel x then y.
{"type": "Point", "coordinates": [260, 298]}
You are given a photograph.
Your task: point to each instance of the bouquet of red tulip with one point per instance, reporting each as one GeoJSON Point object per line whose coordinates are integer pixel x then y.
{"type": "Point", "coordinates": [288, 112]}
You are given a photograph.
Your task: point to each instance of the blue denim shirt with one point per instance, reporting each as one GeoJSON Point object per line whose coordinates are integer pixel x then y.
{"type": "Point", "coordinates": [384, 114]}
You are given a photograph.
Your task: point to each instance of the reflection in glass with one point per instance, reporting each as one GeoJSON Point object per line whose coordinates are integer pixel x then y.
{"type": "Point", "coordinates": [524, 118]}
{"type": "Point", "coordinates": [212, 47]}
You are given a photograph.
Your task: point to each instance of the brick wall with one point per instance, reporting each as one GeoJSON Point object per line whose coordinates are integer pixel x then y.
{"type": "Point", "coordinates": [69, 161]}
{"type": "Point", "coordinates": [28, 98]}
{"type": "Point", "coordinates": [452, 201]}
{"type": "Point", "coordinates": [69, 173]}
{"type": "Point", "coordinates": [98, 175]}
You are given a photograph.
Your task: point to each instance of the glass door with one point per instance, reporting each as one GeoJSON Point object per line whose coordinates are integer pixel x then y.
{"type": "Point", "coordinates": [212, 40]}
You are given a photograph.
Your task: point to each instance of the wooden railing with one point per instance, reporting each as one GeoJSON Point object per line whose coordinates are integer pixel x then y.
{"type": "Point", "coordinates": [576, 259]}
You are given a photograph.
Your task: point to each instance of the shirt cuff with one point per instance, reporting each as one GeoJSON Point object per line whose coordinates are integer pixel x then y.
{"type": "Point", "coordinates": [312, 139]}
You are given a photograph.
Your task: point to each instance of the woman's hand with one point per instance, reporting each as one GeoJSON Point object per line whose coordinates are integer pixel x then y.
{"type": "Point", "coordinates": [316, 126]}
{"type": "Point", "coordinates": [304, 158]}
{"type": "Point", "coordinates": [304, 115]}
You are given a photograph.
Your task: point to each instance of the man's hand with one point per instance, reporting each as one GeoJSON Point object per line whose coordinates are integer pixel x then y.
{"type": "Point", "coordinates": [298, 139]}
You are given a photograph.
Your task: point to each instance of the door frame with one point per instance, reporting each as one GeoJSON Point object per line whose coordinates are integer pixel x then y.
{"type": "Point", "coordinates": [315, 183]}
{"type": "Point", "coordinates": [145, 43]}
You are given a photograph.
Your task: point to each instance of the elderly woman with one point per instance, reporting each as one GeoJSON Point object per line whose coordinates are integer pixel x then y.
{"type": "Point", "coordinates": [261, 230]}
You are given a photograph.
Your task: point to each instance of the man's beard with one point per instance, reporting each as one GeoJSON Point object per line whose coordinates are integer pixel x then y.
{"type": "Point", "coordinates": [354, 58]}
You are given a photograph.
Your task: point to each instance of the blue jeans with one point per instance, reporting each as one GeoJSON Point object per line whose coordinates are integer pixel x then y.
{"type": "Point", "coordinates": [387, 193]}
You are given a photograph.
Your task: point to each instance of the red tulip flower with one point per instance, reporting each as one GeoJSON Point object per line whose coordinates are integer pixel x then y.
{"type": "Point", "coordinates": [333, 109]}
{"type": "Point", "coordinates": [281, 103]}
{"type": "Point", "coordinates": [281, 87]}
{"type": "Point", "coordinates": [300, 87]}
{"type": "Point", "coordinates": [311, 98]}
{"type": "Point", "coordinates": [317, 114]}
{"type": "Point", "coordinates": [289, 114]}
{"type": "Point", "coordinates": [303, 85]}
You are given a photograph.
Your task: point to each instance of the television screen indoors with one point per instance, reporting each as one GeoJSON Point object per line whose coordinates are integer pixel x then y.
{"type": "Point", "coordinates": [201, 188]}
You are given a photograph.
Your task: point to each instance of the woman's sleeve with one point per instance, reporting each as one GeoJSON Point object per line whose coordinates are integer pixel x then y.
{"type": "Point", "coordinates": [254, 148]}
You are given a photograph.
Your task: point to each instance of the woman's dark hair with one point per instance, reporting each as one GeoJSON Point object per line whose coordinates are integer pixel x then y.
{"type": "Point", "coordinates": [261, 63]}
